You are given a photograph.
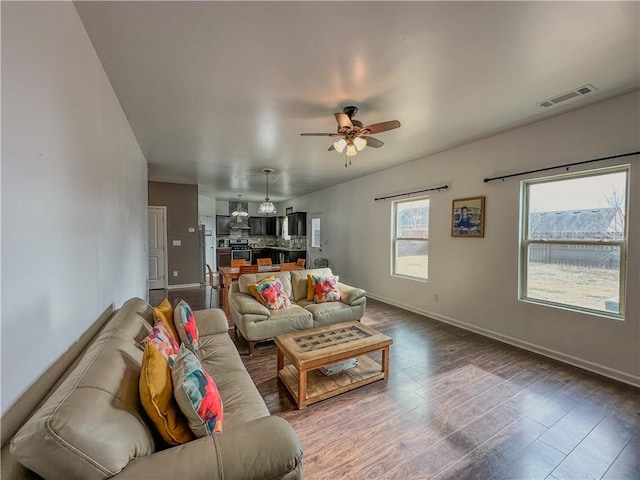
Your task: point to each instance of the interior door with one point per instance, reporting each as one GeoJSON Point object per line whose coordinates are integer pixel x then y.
{"type": "Point", "coordinates": [314, 238]}
{"type": "Point", "coordinates": [157, 247]}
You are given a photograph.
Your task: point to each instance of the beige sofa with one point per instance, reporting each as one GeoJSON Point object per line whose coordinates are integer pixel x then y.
{"type": "Point", "coordinates": [257, 323]}
{"type": "Point", "coordinates": [94, 427]}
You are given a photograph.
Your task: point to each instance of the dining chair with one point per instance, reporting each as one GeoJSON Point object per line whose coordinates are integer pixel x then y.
{"type": "Point", "coordinates": [248, 269]}
{"type": "Point", "coordinates": [238, 262]}
{"type": "Point", "coordinates": [301, 262]}
{"type": "Point", "coordinates": [287, 266]}
{"type": "Point", "coordinates": [264, 261]}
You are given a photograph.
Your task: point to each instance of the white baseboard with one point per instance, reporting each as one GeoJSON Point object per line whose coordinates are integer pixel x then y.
{"type": "Point", "coordinates": [183, 285]}
{"type": "Point", "coordinates": [547, 352]}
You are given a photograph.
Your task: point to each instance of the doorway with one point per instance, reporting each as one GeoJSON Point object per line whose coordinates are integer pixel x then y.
{"type": "Point", "coordinates": [157, 231]}
{"type": "Point", "coordinates": [314, 239]}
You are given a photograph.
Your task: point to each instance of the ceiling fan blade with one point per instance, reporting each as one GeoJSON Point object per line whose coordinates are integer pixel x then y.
{"type": "Point", "coordinates": [381, 127]}
{"type": "Point", "coordinates": [373, 142]}
{"type": "Point", "coordinates": [343, 121]}
{"type": "Point", "coordinates": [321, 134]}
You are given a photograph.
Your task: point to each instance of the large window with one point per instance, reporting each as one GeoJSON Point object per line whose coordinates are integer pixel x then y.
{"type": "Point", "coordinates": [574, 238]}
{"type": "Point", "coordinates": [410, 245]}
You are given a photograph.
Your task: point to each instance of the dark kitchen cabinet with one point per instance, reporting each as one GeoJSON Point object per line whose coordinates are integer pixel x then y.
{"type": "Point", "coordinates": [264, 226]}
{"type": "Point", "coordinates": [257, 225]}
{"type": "Point", "coordinates": [260, 253]}
{"type": "Point", "coordinates": [223, 223]}
{"type": "Point", "coordinates": [294, 256]}
{"type": "Point", "coordinates": [224, 257]}
{"type": "Point", "coordinates": [297, 224]}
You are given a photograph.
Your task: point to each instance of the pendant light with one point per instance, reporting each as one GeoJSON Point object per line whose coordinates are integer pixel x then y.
{"type": "Point", "coordinates": [239, 211]}
{"type": "Point", "coordinates": [267, 208]}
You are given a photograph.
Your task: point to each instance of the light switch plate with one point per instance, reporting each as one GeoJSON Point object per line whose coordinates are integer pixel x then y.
{"type": "Point", "coordinates": [191, 229]}
{"type": "Point", "coordinates": [177, 243]}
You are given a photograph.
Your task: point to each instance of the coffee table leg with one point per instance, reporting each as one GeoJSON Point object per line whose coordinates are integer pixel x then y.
{"type": "Point", "coordinates": [385, 362]}
{"type": "Point", "coordinates": [302, 389]}
{"type": "Point", "coordinates": [280, 360]}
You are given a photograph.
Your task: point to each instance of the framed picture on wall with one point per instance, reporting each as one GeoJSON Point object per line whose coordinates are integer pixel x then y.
{"type": "Point", "coordinates": [467, 217]}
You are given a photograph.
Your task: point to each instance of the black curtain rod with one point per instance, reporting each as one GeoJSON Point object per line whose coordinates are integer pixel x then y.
{"type": "Point", "coordinates": [443, 187]}
{"type": "Point", "coordinates": [566, 165]}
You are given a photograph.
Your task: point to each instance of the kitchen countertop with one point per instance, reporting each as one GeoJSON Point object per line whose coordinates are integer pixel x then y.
{"type": "Point", "coordinates": [284, 249]}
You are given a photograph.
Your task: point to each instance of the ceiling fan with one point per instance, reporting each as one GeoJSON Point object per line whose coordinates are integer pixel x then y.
{"type": "Point", "coordinates": [354, 135]}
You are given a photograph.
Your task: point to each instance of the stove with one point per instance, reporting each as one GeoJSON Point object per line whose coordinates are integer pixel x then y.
{"type": "Point", "coordinates": [240, 249]}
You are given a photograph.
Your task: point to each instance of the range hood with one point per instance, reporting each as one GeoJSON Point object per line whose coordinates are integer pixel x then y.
{"type": "Point", "coordinates": [238, 222]}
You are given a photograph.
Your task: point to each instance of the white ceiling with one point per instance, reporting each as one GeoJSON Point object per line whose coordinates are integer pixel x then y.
{"type": "Point", "coordinates": [216, 91]}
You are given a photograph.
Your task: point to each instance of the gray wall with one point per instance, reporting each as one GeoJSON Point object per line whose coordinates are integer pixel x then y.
{"type": "Point", "coordinates": [484, 272]}
{"type": "Point", "coordinates": [74, 193]}
{"type": "Point", "coordinates": [182, 212]}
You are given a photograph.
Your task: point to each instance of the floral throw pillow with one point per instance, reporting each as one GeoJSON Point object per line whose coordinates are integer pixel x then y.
{"type": "Point", "coordinates": [275, 298]}
{"type": "Point", "coordinates": [164, 342]}
{"type": "Point", "coordinates": [185, 322]}
{"type": "Point", "coordinates": [254, 290]}
{"type": "Point", "coordinates": [196, 394]}
{"type": "Point", "coordinates": [325, 289]}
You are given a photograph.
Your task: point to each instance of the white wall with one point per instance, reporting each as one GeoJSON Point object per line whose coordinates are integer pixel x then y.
{"type": "Point", "coordinates": [74, 192]}
{"type": "Point", "coordinates": [476, 279]}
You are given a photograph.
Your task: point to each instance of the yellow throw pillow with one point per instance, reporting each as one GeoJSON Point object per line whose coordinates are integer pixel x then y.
{"type": "Point", "coordinates": [254, 289]}
{"type": "Point", "coordinates": [310, 287]}
{"type": "Point", "coordinates": [164, 313]}
{"type": "Point", "coordinates": [156, 396]}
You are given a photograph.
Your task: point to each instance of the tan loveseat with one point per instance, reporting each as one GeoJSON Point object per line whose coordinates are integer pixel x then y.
{"type": "Point", "coordinates": [94, 427]}
{"type": "Point", "coordinates": [257, 323]}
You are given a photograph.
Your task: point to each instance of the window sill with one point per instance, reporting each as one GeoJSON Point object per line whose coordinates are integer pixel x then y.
{"type": "Point", "coordinates": [569, 308]}
{"type": "Point", "coordinates": [409, 277]}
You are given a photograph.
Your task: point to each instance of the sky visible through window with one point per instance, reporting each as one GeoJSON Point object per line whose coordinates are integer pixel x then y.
{"type": "Point", "coordinates": [578, 193]}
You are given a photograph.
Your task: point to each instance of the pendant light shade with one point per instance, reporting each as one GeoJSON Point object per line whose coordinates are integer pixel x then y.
{"type": "Point", "coordinates": [267, 208]}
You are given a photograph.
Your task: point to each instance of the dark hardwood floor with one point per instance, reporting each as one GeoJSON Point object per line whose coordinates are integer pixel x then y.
{"type": "Point", "coordinates": [457, 406]}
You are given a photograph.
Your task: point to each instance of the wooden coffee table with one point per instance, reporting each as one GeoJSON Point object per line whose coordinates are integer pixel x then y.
{"type": "Point", "coordinates": [311, 349]}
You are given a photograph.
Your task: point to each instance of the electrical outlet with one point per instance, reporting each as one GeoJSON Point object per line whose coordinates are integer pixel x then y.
{"type": "Point", "coordinates": [175, 273]}
{"type": "Point", "coordinates": [435, 297]}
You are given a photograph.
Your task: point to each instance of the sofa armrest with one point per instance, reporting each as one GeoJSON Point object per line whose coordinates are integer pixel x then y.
{"type": "Point", "coordinates": [246, 304]}
{"type": "Point", "coordinates": [211, 321]}
{"type": "Point", "coordinates": [350, 295]}
{"type": "Point", "coordinates": [266, 448]}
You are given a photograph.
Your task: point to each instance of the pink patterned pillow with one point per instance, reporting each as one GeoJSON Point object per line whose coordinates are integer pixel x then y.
{"type": "Point", "coordinates": [275, 298]}
{"type": "Point", "coordinates": [163, 341]}
{"type": "Point", "coordinates": [325, 289]}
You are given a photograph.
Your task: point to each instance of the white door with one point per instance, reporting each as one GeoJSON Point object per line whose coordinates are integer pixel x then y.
{"type": "Point", "coordinates": [157, 251]}
{"type": "Point", "coordinates": [314, 238]}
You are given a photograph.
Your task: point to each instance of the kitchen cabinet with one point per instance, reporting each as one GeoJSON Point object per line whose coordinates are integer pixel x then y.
{"type": "Point", "coordinates": [224, 257]}
{"type": "Point", "coordinates": [285, 256]}
{"type": "Point", "coordinates": [297, 224]}
{"type": "Point", "coordinates": [223, 223]}
{"type": "Point", "coordinates": [264, 226]}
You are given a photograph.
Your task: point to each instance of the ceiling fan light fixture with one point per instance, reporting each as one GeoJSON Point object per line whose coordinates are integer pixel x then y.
{"type": "Point", "coordinates": [339, 145]}
{"type": "Point", "coordinates": [267, 208]}
{"type": "Point", "coordinates": [351, 150]}
{"type": "Point", "coordinates": [360, 143]}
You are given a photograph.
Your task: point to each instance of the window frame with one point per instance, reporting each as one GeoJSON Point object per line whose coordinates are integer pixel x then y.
{"type": "Point", "coordinates": [525, 242]}
{"type": "Point", "coordinates": [395, 238]}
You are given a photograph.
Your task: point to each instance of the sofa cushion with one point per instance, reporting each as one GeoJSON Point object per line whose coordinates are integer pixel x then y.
{"type": "Point", "coordinates": [329, 313]}
{"type": "Point", "coordinates": [185, 323]}
{"type": "Point", "coordinates": [218, 354]}
{"type": "Point", "coordinates": [156, 396]}
{"type": "Point", "coordinates": [242, 400]}
{"type": "Point", "coordinates": [196, 394]}
{"type": "Point", "coordinates": [273, 294]}
{"type": "Point", "coordinates": [164, 313]}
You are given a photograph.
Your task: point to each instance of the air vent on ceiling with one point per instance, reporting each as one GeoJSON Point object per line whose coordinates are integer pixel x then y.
{"type": "Point", "coordinates": [578, 92]}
